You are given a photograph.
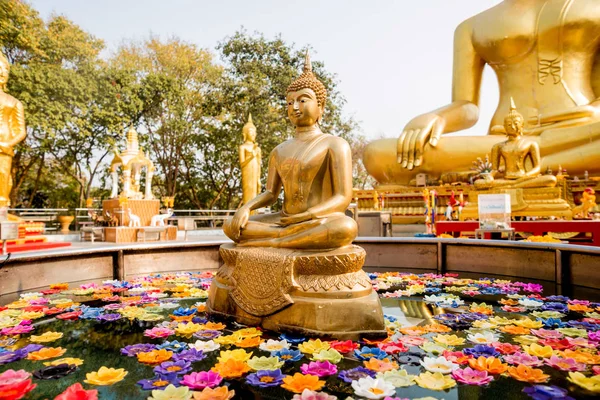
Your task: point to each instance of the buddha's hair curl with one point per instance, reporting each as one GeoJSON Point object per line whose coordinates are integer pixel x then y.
{"type": "Point", "coordinates": [308, 80]}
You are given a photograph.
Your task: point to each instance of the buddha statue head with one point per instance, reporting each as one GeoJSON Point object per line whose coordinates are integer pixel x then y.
{"type": "Point", "coordinates": [306, 97]}
{"type": "Point", "coordinates": [4, 70]}
{"type": "Point", "coordinates": [249, 130]}
{"type": "Point", "coordinates": [513, 123]}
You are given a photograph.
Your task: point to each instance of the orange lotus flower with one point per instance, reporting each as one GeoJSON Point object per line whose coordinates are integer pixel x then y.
{"type": "Point", "coordinates": [299, 382]}
{"type": "Point", "coordinates": [515, 330]}
{"type": "Point", "coordinates": [580, 308]}
{"type": "Point", "coordinates": [380, 365]}
{"type": "Point", "coordinates": [581, 356]}
{"type": "Point", "coordinates": [492, 365]}
{"type": "Point", "coordinates": [130, 299]}
{"type": "Point", "coordinates": [214, 326]}
{"type": "Point", "coordinates": [154, 356]}
{"type": "Point", "coordinates": [437, 328]}
{"type": "Point", "coordinates": [376, 342]}
{"type": "Point", "coordinates": [183, 318]}
{"type": "Point", "coordinates": [509, 302]}
{"type": "Point", "coordinates": [249, 342]}
{"type": "Point", "coordinates": [414, 330]}
{"type": "Point", "coordinates": [46, 353]}
{"type": "Point", "coordinates": [524, 373]}
{"type": "Point", "coordinates": [231, 368]}
{"type": "Point", "coordinates": [220, 393]}
{"type": "Point", "coordinates": [201, 308]}
{"type": "Point", "coordinates": [59, 286]}
{"type": "Point", "coordinates": [98, 296]}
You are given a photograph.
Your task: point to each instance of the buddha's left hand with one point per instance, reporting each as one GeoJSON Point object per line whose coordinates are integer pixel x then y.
{"type": "Point", "coordinates": [294, 219]}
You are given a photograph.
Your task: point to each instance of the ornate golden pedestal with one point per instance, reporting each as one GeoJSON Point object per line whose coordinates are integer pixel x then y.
{"type": "Point", "coordinates": [539, 202]}
{"type": "Point", "coordinates": [286, 290]}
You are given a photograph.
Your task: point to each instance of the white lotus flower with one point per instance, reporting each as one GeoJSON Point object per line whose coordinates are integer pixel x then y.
{"type": "Point", "coordinates": [398, 378]}
{"type": "Point", "coordinates": [205, 346]}
{"type": "Point", "coordinates": [438, 364]}
{"type": "Point", "coordinates": [373, 388]}
{"type": "Point", "coordinates": [158, 295]}
{"type": "Point", "coordinates": [168, 305]}
{"type": "Point", "coordinates": [530, 303]}
{"type": "Point", "coordinates": [483, 338]}
{"type": "Point", "coordinates": [31, 295]}
{"type": "Point", "coordinates": [274, 345]}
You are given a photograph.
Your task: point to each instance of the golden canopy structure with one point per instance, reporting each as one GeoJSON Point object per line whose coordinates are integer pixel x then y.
{"type": "Point", "coordinates": [545, 56]}
{"type": "Point", "coordinates": [297, 270]}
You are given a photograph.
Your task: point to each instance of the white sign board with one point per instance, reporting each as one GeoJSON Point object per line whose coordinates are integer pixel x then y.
{"type": "Point", "coordinates": [494, 211]}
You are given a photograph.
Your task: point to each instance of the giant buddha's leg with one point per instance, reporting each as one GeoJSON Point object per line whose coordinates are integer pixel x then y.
{"type": "Point", "coordinates": [452, 154]}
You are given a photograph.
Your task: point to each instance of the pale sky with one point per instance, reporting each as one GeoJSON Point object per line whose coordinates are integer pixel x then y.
{"type": "Point", "coordinates": [393, 58]}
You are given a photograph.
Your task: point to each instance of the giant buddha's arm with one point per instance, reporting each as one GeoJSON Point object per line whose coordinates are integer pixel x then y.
{"type": "Point", "coordinates": [461, 114]}
{"type": "Point", "coordinates": [17, 122]}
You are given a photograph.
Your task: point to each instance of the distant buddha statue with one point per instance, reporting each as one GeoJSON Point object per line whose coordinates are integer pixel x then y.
{"type": "Point", "coordinates": [12, 131]}
{"type": "Point", "coordinates": [250, 162]}
{"type": "Point", "coordinates": [314, 170]}
{"type": "Point", "coordinates": [545, 56]}
{"type": "Point", "coordinates": [515, 152]}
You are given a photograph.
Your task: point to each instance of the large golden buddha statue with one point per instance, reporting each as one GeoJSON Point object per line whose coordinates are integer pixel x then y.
{"type": "Point", "coordinates": [297, 270]}
{"type": "Point", "coordinates": [545, 56]}
{"type": "Point", "coordinates": [12, 131]}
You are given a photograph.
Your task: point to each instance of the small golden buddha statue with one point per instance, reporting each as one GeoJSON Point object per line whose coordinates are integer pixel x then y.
{"type": "Point", "coordinates": [515, 152]}
{"type": "Point", "coordinates": [12, 131]}
{"type": "Point", "coordinates": [297, 270]}
{"type": "Point", "coordinates": [545, 55]}
{"type": "Point", "coordinates": [250, 162]}
{"type": "Point", "coordinates": [314, 170]}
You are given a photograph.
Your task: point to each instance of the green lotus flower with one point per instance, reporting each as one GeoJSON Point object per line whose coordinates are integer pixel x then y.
{"type": "Point", "coordinates": [265, 363]}
{"type": "Point", "coordinates": [331, 355]}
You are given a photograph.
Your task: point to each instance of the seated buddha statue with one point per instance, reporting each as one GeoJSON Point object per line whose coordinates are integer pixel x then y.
{"type": "Point", "coordinates": [545, 56]}
{"type": "Point", "coordinates": [514, 152]}
{"type": "Point", "coordinates": [314, 170]}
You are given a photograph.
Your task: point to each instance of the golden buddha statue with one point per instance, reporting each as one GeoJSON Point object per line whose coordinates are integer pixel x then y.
{"type": "Point", "coordinates": [515, 152]}
{"type": "Point", "coordinates": [296, 270]}
{"type": "Point", "coordinates": [250, 162]}
{"type": "Point", "coordinates": [12, 131]}
{"type": "Point", "coordinates": [314, 170]}
{"type": "Point", "coordinates": [545, 56]}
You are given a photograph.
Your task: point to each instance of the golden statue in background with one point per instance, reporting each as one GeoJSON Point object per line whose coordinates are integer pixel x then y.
{"type": "Point", "coordinates": [296, 270]}
{"type": "Point", "coordinates": [12, 131]}
{"type": "Point", "coordinates": [545, 56]}
{"type": "Point", "coordinates": [515, 152]}
{"type": "Point", "coordinates": [250, 162]}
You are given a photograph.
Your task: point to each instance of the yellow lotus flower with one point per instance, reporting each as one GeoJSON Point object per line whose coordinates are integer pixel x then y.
{"type": "Point", "coordinates": [188, 329]}
{"type": "Point", "coordinates": [65, 360]}
{"type": "Point", "coordinates": [238, 355]}
{"type": "Point", "coordinates": [526, 339]}
{"type": "Point", "coordinates": [535, 349]}
{"type": "Point", "coordinates": [313, 346]}
{"type": "Point", "coordinates": [32, 315]}
{"type": "Point", "coordinates": [592, 384]}
{"type": "Point", "coordinates": [528, 323]}
{"type": "Point", "coordinates": [18, 304]}
{"type": "Point", "coordinates": [437, 381]}
{"type": "Point", "coordinates": [449, 340]}
{"type": "Point", "coordinates": [501, 320]}
{"type": "Point", "coordinates": [105, 376]}
{"type": "Point", "coordinates": [46, 337]}
{"type": "Point", "coordinates": [225, 340]}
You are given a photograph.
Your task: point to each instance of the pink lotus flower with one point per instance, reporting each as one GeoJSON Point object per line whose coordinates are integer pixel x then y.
{"type": "Point", "coordinates": [506, 348]}
{"type": "Point", "coordinates": [15, 385]}
{"type": "Point", "coordinates": [523, 358]}
{"type": "Point", "coordinates": [393, 347]}
{"type": "Point", "coordinates": [412, 340]}
{"type": "Point", "coordinates": [457, 357]}
{"type": "Point", "coordinates": [582, 302]}
{"type": "Point", "coordinates": [472, 376]}
{"type": "Point", "coordinates": [40, 301]}
{"type": "Point", "coordinates": [312, 395]}
{"type": "Point", "coordinates": [596, 369]}
{"type": "Point", "coordinates": [77, 392]}
{"type": "Point", "coordinates": [319, 368]}
{"type": "Point", "coordinates": [581, 342]}
{"type": "Point", "coordinates": [23, 327]}
{"type": "Point", "coordinates": [201, 380]}
{"type": "Point", "coordinates": [564, 364]}
{"type": "Point", "coordinates": [158, 332]}
{"type": "Point", "coordinates": [595, 336]}
{"type": "Point", "coordinates": [547, 333]}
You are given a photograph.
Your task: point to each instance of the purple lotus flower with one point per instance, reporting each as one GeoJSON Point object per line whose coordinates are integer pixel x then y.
{"type": "Point", "coordinates": [355, 374]}
{"type": "Point", "coordinates": [177, 367]}
{"type": "Point", "coordinates": [109, 317]}
{"type": "Point", "coordinates": [207, 334]}
{"type": "Point", "coordinates": [11, 356]}
{"type": "Point", "coordinates": [201, 380]}
{"type": "Point", "coordinates": [134, 349]}
{"type": "Point", "coordinates": [560, 307]}
{"type": "Point", "coordinates": [547, 333]}
{"type": "Point", "coordinates": [159, 382]}
{"type": "Point", "coordinates": [266, 378]}
{"type": "Point", "coordinates": [562, 299]}
{"type": "Point", "coordinates": [545, 392]}
{"type": "Point", "coordinates": [113, 306]}
{"type": "Point", "coordinates": [319, 368]}
{"type": "Point", "coordinates": [472, 376]}
{"type": "Point", "coordinates": [191, 355]}
{"type": "Point", "coordinates": [481, 350]}
{"type": "Point", "coordinates": [32, 347]}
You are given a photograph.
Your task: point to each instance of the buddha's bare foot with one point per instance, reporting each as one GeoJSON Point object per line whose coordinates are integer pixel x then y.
{"type": "Point", "coordinates": [258, 243]}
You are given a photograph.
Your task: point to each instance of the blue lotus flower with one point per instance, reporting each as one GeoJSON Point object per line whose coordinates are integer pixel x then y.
{"type": "Point", "coordinates": [266, 378]}
{"type": "Point", "coordinates": [554, 306]}
{"type": "Point", "coordinates": [552, 323]}
{"type": "Point", "coordinates": [545, 392]}
{"type": "Point", "coordinates": [391, 318]}
{"type": "Point", "coordinates": [175, 346]}
{"type": "Point", "coordinates": [355, 374]}
{"type": "Point", "coordinates": [287, 355]}
{"type": "Point", "coordinates": [159, 382]}
{"type": "Point", "coordinates": [191, 355]}
{"type": "Point", "coordinates": [481, 350]}
{"type": "Point", "coordinates": [561, 299]}
{"type": "Point", "coordinates": [184, 312]}
{"type": "Point", "coordinates": [90, 312]}
{"type": "Point", "coordinates": [292, 338]}
{"type": "Point", "coordinates": [366, 353]}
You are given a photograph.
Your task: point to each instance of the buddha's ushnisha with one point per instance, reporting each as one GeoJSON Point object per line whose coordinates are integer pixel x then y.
{"type": "Point", "coordinates": [314, 170]}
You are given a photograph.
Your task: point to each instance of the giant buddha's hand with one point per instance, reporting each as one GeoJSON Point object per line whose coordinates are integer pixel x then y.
{"type": "Point", "coordinates": [425, 127]}
{"type": "Point", "coordinates": [239, 221]}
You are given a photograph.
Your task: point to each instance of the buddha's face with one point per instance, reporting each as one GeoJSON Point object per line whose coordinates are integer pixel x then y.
{"type": "Point", "coordinates": [3, 73]}
{"type": "Point", "coordinates": [303, 108]}
{"type": "Point", "coordinates": [251, 134]}
{"type": "Point", "coordinates": [514, 126]}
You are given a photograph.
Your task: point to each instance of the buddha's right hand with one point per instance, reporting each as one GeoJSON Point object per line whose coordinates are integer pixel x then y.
{"type": "Point", "coordinates": [239, 221]}
{"type": "Point", "coordinates": [425, 127]}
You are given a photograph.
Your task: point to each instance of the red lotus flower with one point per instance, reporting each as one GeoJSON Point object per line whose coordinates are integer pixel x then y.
{"type": "Point", "coordinates": [506, 348]}
{"type": "Point", "coordinates": [14, 385]}
{"type": "Point", "coordinates": [77, 392]}
{"type": "Point", "coordinates": [343, 347]}
{"type": "Point", "coordinates": [73, 315]}
{"type": "Point", "coordinates": [52, 311]}
{"type": "Point", "coordinates": [557, 344]}
{"type": "Point", "coordinates": [393, 347]}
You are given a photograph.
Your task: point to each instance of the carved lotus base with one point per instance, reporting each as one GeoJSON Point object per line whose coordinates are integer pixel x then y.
{"type": "Point", "coordinates": [313, 293]}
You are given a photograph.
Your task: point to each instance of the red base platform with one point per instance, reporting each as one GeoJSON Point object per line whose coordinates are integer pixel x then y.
{"type": "Point", "coordinates": [13, 248]}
